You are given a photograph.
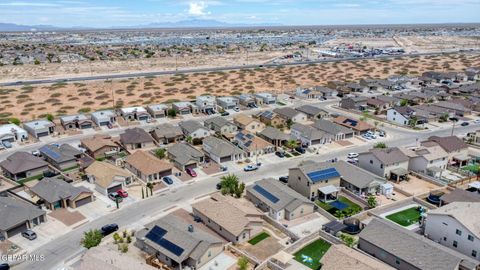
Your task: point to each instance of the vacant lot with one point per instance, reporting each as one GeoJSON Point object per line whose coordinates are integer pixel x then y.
{"type": "Point", "coordinates": [27, 102]}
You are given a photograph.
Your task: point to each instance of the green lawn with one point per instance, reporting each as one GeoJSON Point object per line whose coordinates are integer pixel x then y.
{"type": "Point", "coordinates": [258, 238]}
{"type": "Point", "coordinates": [474, 168]}
{"type": "Point", "coordinates": [352, 208]}
{"type": "Point", "coordinates": [406, 217]}
{"type": "Point", "coordinates": [24, 180]}
{"type": "Point", "coordinates": [315, 250]}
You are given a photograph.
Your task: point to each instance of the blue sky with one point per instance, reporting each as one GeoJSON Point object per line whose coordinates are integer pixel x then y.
{"type": "Point", "coordinates": [107, 13]}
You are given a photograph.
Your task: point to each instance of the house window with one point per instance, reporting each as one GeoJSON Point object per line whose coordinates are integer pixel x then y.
{"type": "Point", "coordinates": [209, 253]}
{"type": "Point", "coordinates": [458, 232]}
{"type": "Point", "coordinates": [470, 237]}
{"type": "Point", "coordinates": [474, 253]}
{"type": "Point", "coordinates": [397, 261]}
{"type": "Point", "coordinates": [444, 239]}
{"type": "Point", "coordinates": [455, 244]}
{"type": "Point", "coordinates": [381, 166]}
{"type": "Point", "coordinates": [308, 184]}
{"type": "Point", "coordinates": [371, 161]}
{"type": "Point", "coordinates": [244, 235]}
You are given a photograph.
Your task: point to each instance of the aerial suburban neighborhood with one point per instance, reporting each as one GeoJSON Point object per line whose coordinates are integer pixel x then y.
{"type": "Point", "coordinates": [210, 145]}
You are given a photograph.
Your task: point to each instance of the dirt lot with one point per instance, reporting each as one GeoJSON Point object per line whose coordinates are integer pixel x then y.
{"type": "Point", "coordinates": [29, 102]}
{"type": "Point", "coordinates": [415, 186]}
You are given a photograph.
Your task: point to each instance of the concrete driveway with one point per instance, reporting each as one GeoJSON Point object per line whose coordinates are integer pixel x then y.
{"type": "Point", "coordinates": [45, 233]}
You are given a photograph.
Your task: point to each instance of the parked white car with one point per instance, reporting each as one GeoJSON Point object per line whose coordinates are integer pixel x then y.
{"type": "Point", "coordinates": [352, 155]}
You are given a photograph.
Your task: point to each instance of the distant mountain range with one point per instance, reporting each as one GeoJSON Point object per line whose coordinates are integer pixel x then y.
{"type": "Point", "coordinates": [194, 23]}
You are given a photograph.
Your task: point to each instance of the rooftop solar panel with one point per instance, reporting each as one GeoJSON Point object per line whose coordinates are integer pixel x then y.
{"type": "Point", "coordinates": [156, 235]}
{"type": "Point", "coordinates": [266, 194]}
{"type": "Point", "coordinates": [47, 150]}
{"type": "Point", "coordinates": [321, 175]}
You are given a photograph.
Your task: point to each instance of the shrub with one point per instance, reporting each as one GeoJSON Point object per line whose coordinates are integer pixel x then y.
{"type": "Point", "coordinates": [91, 239]}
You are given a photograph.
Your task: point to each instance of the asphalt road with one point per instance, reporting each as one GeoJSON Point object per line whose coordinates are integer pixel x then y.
{"type": "Point", "coordinates": [185, 71]}
{"type": "Point", "coordinates": [67, 245]}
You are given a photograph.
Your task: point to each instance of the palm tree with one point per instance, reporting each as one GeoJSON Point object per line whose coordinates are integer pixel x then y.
{"type": "Point", "coordinates": [292, 144]}
{"type": "Point", "coordinates": [229, 184]}
{"type": "Point", "coordinates": [150, 187]}
{"type": "Point", "coordinates": [189, 139]}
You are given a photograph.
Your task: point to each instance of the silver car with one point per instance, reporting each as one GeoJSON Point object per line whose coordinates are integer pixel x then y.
{"type": "Point", "coordinates": [29, 234]}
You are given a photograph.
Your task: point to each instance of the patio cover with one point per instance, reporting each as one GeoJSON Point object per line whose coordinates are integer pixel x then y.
{"type": "Point", "coordinates": [461, 157]}
{"type": "Point", "coordinates": [435, 169]}
{"type": "Point", "coordinates": [334, 226]}
{"type": "Point", "coordinates": [399, 171]}
{"type": "Point", "coordinates": [475, 184]}
{"type": "Point", "coordinates": [283, 257]}
{"type": "Point", "coordinates": [328, 189]}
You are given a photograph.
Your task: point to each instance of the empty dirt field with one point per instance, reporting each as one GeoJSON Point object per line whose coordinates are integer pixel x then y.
{"type": "Point", "coordinates": [28, 102]}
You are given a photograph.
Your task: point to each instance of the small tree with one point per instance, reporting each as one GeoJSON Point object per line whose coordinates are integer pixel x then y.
{"type": "Point", "coordinates": [289, 123]}
{"type": "Point", "coordinates": [372, 201]}
{"type": "Point", "coordinates": [239, 190]}
{"type": "Point", "coordinates": [189, 139]}
{"type": "Point", "coordinates": [116, 237]}
{"type": "Point", "coordinates": [292, 144]}
{"type": "Point", "coordinates": [172, 113]}
{"type": "Point", "coordinates": [349, 240]}
{"type": "Point", "coordinates": [380, 145]}
{"type": "Point", "coordinates": [160, 153]}
{"type": "Point", "coordinates": [124, 248]}
{"type": "Point", "coordinates": [91, 238]}
{"type": "Point", "coordinates": [403, 102]}
{"type": "Point", "coordinates": [231, 185]}
{"type": "Point", "coordinates": [49, 117]}
{"type": "Point", "coordinates": [242, 263]}
{"type": "Point", "coordinates": [15, 121]}
{"type": "Point", "coordinates": [150, 187]}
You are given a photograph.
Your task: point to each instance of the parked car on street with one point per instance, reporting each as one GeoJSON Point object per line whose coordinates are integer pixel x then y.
{"type": "Point", "coordinates": [464, 124]}
{"type": "Point", "coordinates": [108, 229]}
{"type": "Point", "coordinates": [29, 234]}
{"type": "Point", "coordinates": [167, 180]}
{"type": "Point", "coordinates": [4, 266]}
{"type": "Point", "coordinates": [122, 193]}
{"type": "Point", "coordinates": [352, 155]}
{"type": "Point", "coordinates": [283, 179]}
{"type": "Point", "coordinates": [250, 168]}
{"type": "Point", "coordinates": [114, 196]}
{"type": "Point", "coordinates": [191, 172]}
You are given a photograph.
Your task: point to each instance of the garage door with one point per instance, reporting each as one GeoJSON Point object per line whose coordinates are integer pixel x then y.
{"type": "Point", "coordinates": [86, 126]}
{"type": "Point", "coordinates": [165, 173]}
{"type": "Point", "coordinates": [8, 140]}
{"type": "Point", "coordinates": [42, 134]}
{"type": "Point", "coordinates": [191, 166]}
{"type": "Point", "coordinates": [84, 201]}
{"type": "Point", "coordinates": [18, 229]}
{"type": "Point", "coordinates": [104, 123]}
{"type": "Point", "coordinates": [225, 159]}
{"type": "Point", "coordinates": [143, 118]}
{"type": "Point", "coordinates": [114, 188]}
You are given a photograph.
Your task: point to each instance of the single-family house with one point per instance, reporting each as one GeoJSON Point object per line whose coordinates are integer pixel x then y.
{"type": "Point", "coordinates": [57, 193]}
{"type": "Point", "coordinates": [62, 157]}
{"type": "Point", "coordinates": [358, 126]}
{"type": "Point", "coordinates": [39, 128]}
{"type": "Point", "coordinates": [107, 177]}
{"type": "Point", "coordinates": [358, 180]}
{"type": "Point", "coordinates": [252, 145]}
{"type": "Point", "coordinates": [428, 159]}
{"type": "Point", "coordinates": [456, 108]}
{"type": "Point", "coordinates": [307, 93]}
{"type": "Point", "coordinates": [314, 180]}
{"type": "Point", "coordinates": [456, 226]}
{"type": "Point", "coordinates": [290, 114]}
{"type": "Point", "coordinates": [227, 103]}
{"type": "Point", "coordinates": [235, 221]}
{"type": "Point", "coordinates": [248, 123]}
{"type": "Point", "coordinates": [221, 151]}
{"type": "Point", "coordinates": [136, 138]}
{"type": "Point", "coordinates": [405, 249]}
{"type": "Point", "coordinates": [135, 113]}
{"type": "Point", "coordinates": [100, 146]}
{"type": "Point", "coordinates": [312, 112]}
{"type": "Point", "coordinates": [147, 167]}
{"type": "Point", "coordinates": [194, 129]}
{"type": "Point", "coordinates": [325, 91]}
{"type": "Point", "coordinates": [271, 118]}
{"type": "Point", "coordinates": [459, 195]}
{"type": "Point", "coordinates": [279, 201]}
{"type": "Point", "coordinates": [456, 148]}
{"type": "Point", "coordinates": [184, 155]}
{"type": "Point", "coordinates": [390, 163]}
{"type": "Point", "coordinates": [220, 125]}
{"type": "Point", "coordinates": [12, 133]}
{"type": "Point", "coordinates": [206, 104]}
{"type": "Point", "coordinates": [355, 87]}
{"type": "Point", "coordinates": [23, 165]}
{"type": "Point", "coordinates": [308, 135]}
{"type": "Point", "coordinates": [178, 243]}
{"type": "Point", "coordinates": [79, 121]}
{"type": "Point", "coordinates": [265, 98]}
{"type": "Point", "coordinates": [247, 100]}
{"type": "Point", "coordinates": [336, 131]}
{"type": "Point", "coordinates": [354, 103]}
{"type": "Point", "coordinates": [377, 104]}
{"type": "Point", "coordinates": [21, 216]}
{"type": "Point", "coordinates": [167, 133]}
{"type": "Point", "coordinates": [104, 118]}
{"type": "Point", "coordinates": [405, 116]}
{"type": "Point", "coordinates": [184, 107]}
{"type": "Point", "coordinates": [274, 136]}
{"type": "Point", "coordinates": [158, 110]}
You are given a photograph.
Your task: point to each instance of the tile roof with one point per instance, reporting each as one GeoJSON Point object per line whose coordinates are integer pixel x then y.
{"type": "Point", "coordinates": [308, 132]}
{"type": "Point", "coordinates": [15, 211]}
{"type": "Point", "coordinates": [412, 247]}
{"type": "Point", "coordinates": [243, 119]}
{"type": "Point", "coordinates": [147, 163]}
{"type": "Point", "coordinates": [105, 173]}
{"type": "Point", "coordinates": [460, 195]}
{"type": "Point", "coordinates": [250, 141]}
{"type": "Point", "coordinates": [227, 214]}
{"type": "Point", "coordinates": [21, 162]}
{"type": "Point", "coordinates": [54, 189]}
{"type": "Point", "coordinates": [218, 121]}
{"type": "Point", "coordinates": [286, 112]}
{"type": "Point", "coordinates": [190, 126]}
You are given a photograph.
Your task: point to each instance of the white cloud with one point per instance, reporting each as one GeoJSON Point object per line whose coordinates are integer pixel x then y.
{"type": "Point", "coordinates": [198, 8]}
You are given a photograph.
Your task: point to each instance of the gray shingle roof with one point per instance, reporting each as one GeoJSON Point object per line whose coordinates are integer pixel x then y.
{"type": "Point", "coordinates": [190, 126]}
{"type": "Point", "coordinates": [194, 244]}
{"type": "Point", "coordinates": [287, 198]}
{"type": "Point", "coordinates": [308, 132]}
{"type": "Point", "coordinates": [59, 154]}
{"type": "Point", "coordinates": [274, 134]}
{"type": "Point", "coordinates": [184, 152]}
{"type": "Point", "coordinates": [135, 135]}
{"type": "Point", "coordinates": [310, 110]}
{"type": "Point", "coordinates": [286, 112]}
{"type": "Point", "coordinates": [218, 121]}
{"type": "Point", "coordinates": [449, 143]}
{"type": "Point", "coordinates": [357, 176]}
{"type": "Point", "coordinates": [330, 127]}
{"type": "Point", "coordinates": [411, 247]}
{"type": "Point", "coordinates": [389, 155]}
{"type": "Point", "coordinates": [21, 162]}
{"type": "Point", "coordinates": [167, 131]}
{"type": "Point", "coordinates": [221, 148]}
{"type": "Point", "coordinates": [53, 189]}
{"type": "Point", "coordinates": [15, 211]}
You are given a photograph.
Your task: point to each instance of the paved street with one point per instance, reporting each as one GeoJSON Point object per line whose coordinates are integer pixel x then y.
{"type": "Point", "coordinates": [67, 246]}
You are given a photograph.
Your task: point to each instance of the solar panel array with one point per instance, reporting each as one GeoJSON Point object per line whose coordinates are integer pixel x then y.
{"type": "Point", "coordinates": [266, 194]}
{"type": "Point", "coordinates": [50, 152]}
{"type": "Point", "coordinates": [156, 235]}
{"type": "Point", "coordinates": [321, 175]}
{"type": "Point", "coordinates": [267, 114]}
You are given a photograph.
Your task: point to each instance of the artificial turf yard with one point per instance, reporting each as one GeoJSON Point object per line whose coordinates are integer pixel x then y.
{"type": "Point", "coordinates": [332, 210]}
{"type": "Point", "coordinates": [406, 217]}
{"type": "Point", "coordinates": [258, 238]}
{"type": "Point", "coordinates": [315, 250]}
